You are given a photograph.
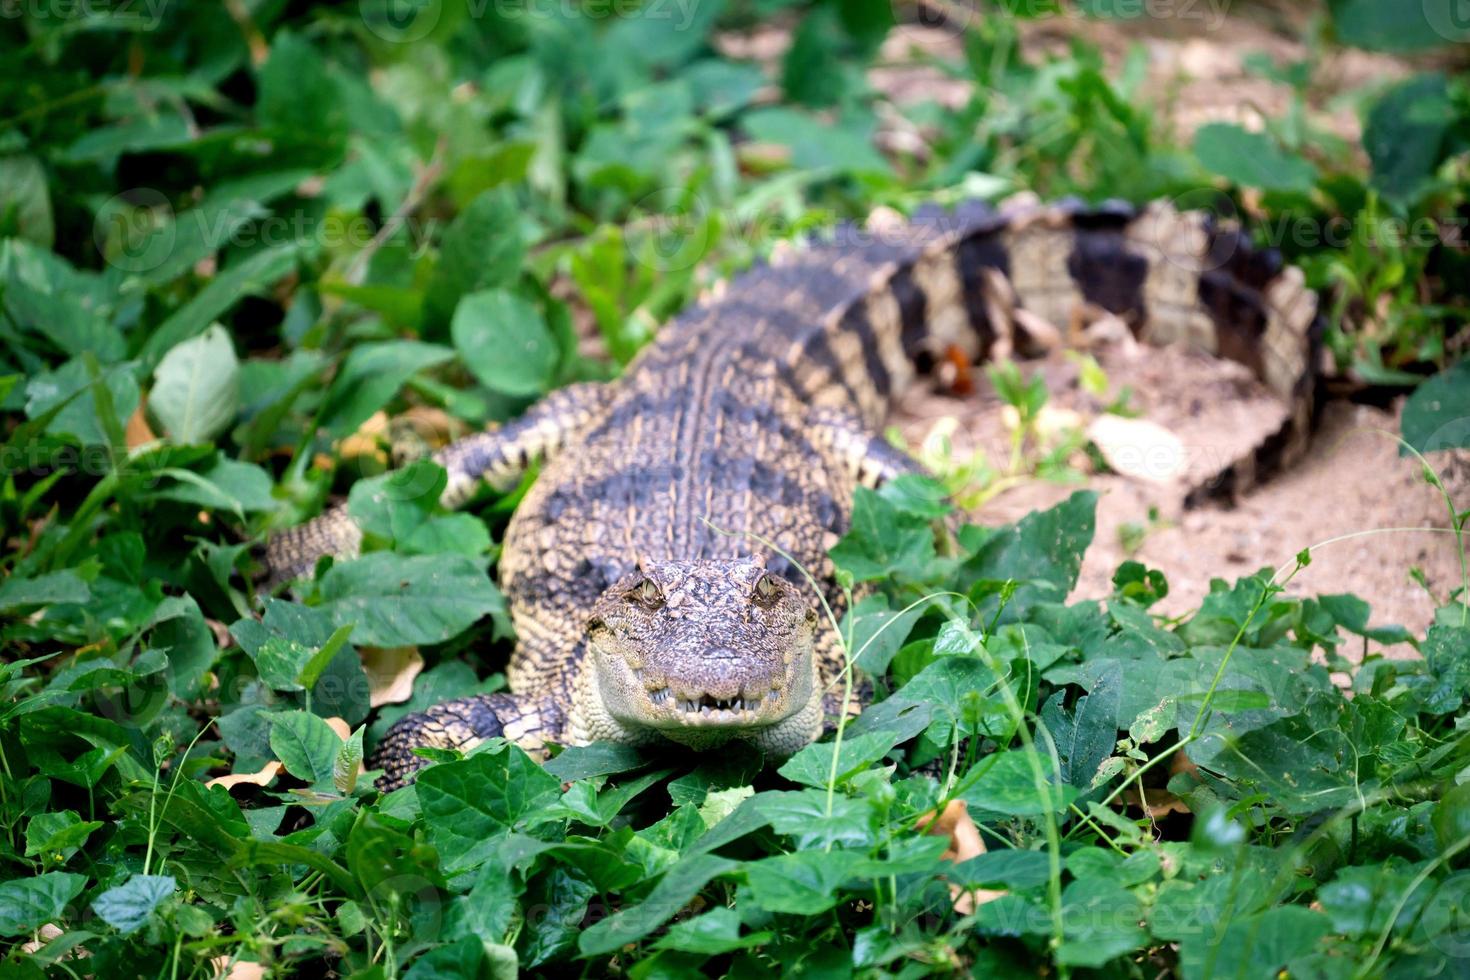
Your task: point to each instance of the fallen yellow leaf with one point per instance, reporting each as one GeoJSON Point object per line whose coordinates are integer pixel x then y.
{"type": "Point", "coordinates": [138, 432]}
{"type": "Point", "coordinates": [253, 778]}
{"type": "Point", "coordinates": [390, 673]}
{"type": "Point", "coordinates": [964, 843]}
{"type": "Point", "coordinates": [226, 969]}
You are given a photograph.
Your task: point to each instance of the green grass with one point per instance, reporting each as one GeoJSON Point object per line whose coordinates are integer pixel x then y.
{"type": "Point", "coordinates": [231, 235]}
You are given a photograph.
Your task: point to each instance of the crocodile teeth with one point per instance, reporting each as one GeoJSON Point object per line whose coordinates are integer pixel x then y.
{"type": "Point", "coordinates": [727, 709]}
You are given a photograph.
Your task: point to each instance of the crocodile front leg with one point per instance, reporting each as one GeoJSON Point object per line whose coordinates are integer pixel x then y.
{"type": "Point", "coordinates": [463, 723]}
{"type": "Point", "coordinates": [499, 457]}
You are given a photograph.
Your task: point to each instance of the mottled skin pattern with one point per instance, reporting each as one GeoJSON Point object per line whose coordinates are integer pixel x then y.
{"type": "Point", "coordinates": [644, 568]}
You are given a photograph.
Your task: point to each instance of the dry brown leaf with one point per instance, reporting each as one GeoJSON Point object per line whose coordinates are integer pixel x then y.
{"type": "Point", "coordinates": [138, 432]}
{"type": "Point", "coordinates": [222, 637]}
{"type": "Point", "coordinates": [964, 843]}
{"type": "Point", "coordinates": [253, 778]}
{"type": "Point", "coordinates": [434, 425]}
{"type": "Point", "coordinates": [343, 731]}
{"type": "Point", "coordinates": [1160, 802]}
{"type": "Point", "coordinates": [238, 970]}
{"type": "Point", "coordinates": [390, 673]}
{"type": "Point", "coordinates": [1042, 332]}
{"type": "Point", "coordinates": [44, 935]}
{"type": "Point", "coordinates": [367, 440]}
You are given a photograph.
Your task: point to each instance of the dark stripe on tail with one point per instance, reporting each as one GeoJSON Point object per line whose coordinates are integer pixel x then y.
{"type": "Point", "coordinates": [977, 252]}
{"type": "Point", "coordinates": [913, 312]}
{"type": "Point", "coordinates": [1106, 271]}
{"type": "Point", "coordinates": [856, 320]}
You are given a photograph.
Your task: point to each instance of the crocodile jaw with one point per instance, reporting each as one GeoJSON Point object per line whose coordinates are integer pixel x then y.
{"type": "Point", "coordinates": [591, 720]}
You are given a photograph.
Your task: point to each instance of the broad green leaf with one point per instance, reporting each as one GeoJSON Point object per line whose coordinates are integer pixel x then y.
{"type": "Point", "coordinates": [312, 670]}
{"type": "Point", "coordinates": [468, 803]}
{"type": "Point", "coordinates": [598, 759]}
{"type": "Point", "coordinates": [482, 249]}
{"type": "Point", "coordinates": [1251, 159]}
{"type": "Point", "coordinates": [1451, 819]}
{"type": "Point", "coordinates": [71, 391]}
{"type": "Point", "coordinates": [814, 144]}
{"type": "Point", "coordinates": [1101, 923]}
{"type": "Point", "coordinates": [803, 883]}
{"type": "Point", "coordinates": [370, 376]}
{"type": "Point", "coordinates": [346, 765]}
{"type": "Point", "coordinates": [1043, 551]}
{"type": "Point", "coordinates": [1360, 900]}
{"type": "Point", "coordinates": [396, 601]}
{"type": "Point", "coordinates": [298, 97]}
{"type": "Point", "coordinates": [1406, 134]}
{"type": "Point", "coordinates": [1256, 945]}
{"type": "Point", "coordinates": [196, 388]}
{"type": "Point", "coordinates": [393, 506]}
{"type": "Point", "coordinates": [387, 860]}
{"type": "Point", "coordinates": [716, 931]}
{"type": "Point", "coordinates": [280, 662]}
{"type": "Point", "coordinates": [448, 534]}
{"type": "Point", "coordinates": [460, 960]}
{"type": "Point", "coordinates": [1085, 736]}
{"type": "Point", "coordinates": [678, 885]}
{"type": "Point", "coordinates": [813, 765]}
{"type": "Point", "coordinates": [806, 816]}
{"type": "Point", "coordinates": [224, 484]}
{"type": "Point", "coordinates": [26, 904]}
{"type": "Point", "coordinates": [958, 690]}
{"type": "Point", "coordinates": [246, 276]}
{"type": "Point", "coordinates": [25, 201]}
{"type": "Point", "coordinates": [505, 342]}
{"type": "Point", "coordinates": [884, 541]}
{"type": "Point", "coordinates": [128, 907]}
{"type": "Point", "coordinates": [1387, 26]}
{"type": "Point", "coordinates": [53, 837]}
{"type": "Point", "coordinates": [562, 895]}
{"type": "Point", "coordinates": [1019, 782]}
{"type": "Point", "coordinates": [306, 746]}
{"type": "Point", "coordinates": [878, 631]}
{"type": "Point", "coordinates": [23, 593]}
{"type": "Point", "coordinates": [1013, 869]}
{"type": "Point", "coordinates": [1437, 415]}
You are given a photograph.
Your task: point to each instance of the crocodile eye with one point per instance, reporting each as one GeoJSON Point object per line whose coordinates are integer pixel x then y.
{"type": "Point", "coordinates": [645, 593]}
{"type": "Point", "coordinates": [767, 591]}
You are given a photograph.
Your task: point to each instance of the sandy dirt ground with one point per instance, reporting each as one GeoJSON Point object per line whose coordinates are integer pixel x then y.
{"type": "Point", "coordinates": [1365, 511]}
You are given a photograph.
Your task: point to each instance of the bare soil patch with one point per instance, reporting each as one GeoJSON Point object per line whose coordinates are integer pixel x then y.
{"type": "Point", "coordinates": [1351, 482]}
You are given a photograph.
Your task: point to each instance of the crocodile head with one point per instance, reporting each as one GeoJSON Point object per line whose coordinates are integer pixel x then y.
{"type": "Point", "coordinates": [700, 652]}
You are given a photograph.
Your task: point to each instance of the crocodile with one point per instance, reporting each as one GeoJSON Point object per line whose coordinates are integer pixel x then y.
{"type": "Point", "coordinates": [663, 569]}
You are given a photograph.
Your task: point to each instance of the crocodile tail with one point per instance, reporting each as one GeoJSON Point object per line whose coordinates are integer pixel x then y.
{"type": "Point", "coordinates": [890, 301]}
